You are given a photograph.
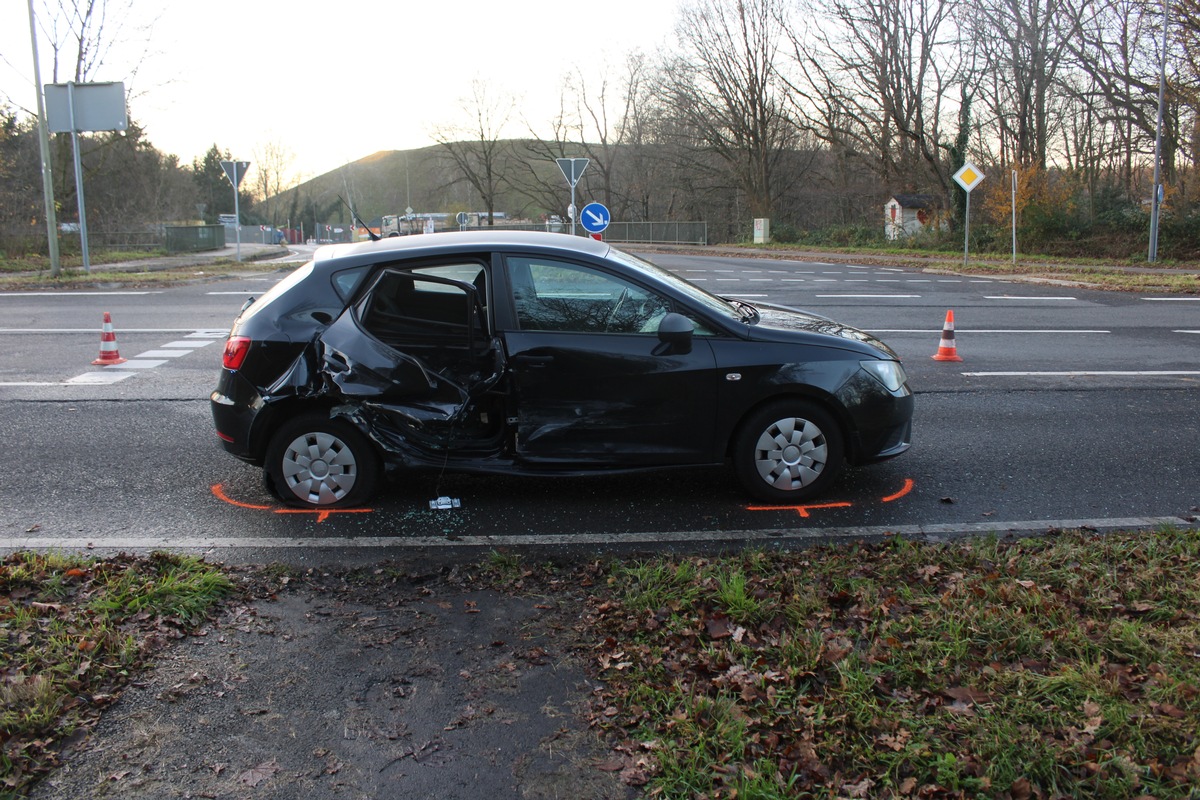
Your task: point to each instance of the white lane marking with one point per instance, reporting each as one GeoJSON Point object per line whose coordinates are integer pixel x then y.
{"type": "Point", "coordinates": [102, 378]}
{"type": "Point", "coordinates": [220, 293]}
{"type": "Point", "coordinates": [148, 360]}
{"type": "Point", "coordinates": [885, 296]}
{"type": "Point", "coordinates": [590, 539]}
{"type": "Point", "coordinates": [176, 353]}
{"type": "Point", "coordinates": [189, 331]}
{"type": "Point", "coordinates": [980, 330]}
{"type": "Point", "coordinates": [1022, 297]}
{"type": "Point", "coordinates": [78, 294]}
{"type": "Point", "coordinates": [136, 364]}
{"type": "Point", "coordinates": [1084, 373]}
{"type": "Point", "coordinates": [1173, 299]}
{"type": "Point", "coordinates": [1185, 331]}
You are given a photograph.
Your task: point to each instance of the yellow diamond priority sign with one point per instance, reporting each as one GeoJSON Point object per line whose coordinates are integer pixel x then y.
{"type": "Point", "coordinates": [968, 176]}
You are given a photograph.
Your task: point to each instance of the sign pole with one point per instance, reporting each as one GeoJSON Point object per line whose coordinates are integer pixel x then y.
{"type": "Point", "coordinates": [235, 171]}
{"type": "Point", "coordinates": [1014, 215]}
{"type": "Point", "coordinates": [968, 177]}
{"type": "Point", "coordinates": [572, 170]}
{"type": "Point", "coordinates": [967, 231]}
{"type": "Point", "coordinates": [237, 213]}
{"type": "Point", "coordinates": [83, 236]}
{"type": "Point", "coordinates": [44, 146]}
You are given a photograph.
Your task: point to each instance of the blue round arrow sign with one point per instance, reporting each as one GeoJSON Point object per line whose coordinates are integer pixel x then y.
{"type": "Point", "coordinates": [594, 217]}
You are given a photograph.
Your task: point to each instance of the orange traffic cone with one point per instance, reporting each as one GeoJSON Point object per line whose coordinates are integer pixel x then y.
{"type": "Point", "coordinates": [108, 344]}
{"type": "Point", "coordinates": [947, 350]}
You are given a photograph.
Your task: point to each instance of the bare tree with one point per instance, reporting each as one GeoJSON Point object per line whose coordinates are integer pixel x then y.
{"type": "Point", "coordinates": [476, 148]}
{"type": "Point", "coordinates": [871, 79]}
{"type": "Point", "coordinates": [723, 89]}
{"type": "Point", "coordinates": [273, 175]}
{"type": "Point", "coordinates": [1025, 45]}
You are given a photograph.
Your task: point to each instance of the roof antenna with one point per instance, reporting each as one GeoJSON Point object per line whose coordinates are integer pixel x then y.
{"type": "Point", "coordinates": [375, 237]}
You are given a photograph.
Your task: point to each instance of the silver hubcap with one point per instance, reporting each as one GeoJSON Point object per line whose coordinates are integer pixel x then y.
{"type": "Point", "coordinates": [319, 468]}
{"type": "Point", "coordinates": [791, 453]}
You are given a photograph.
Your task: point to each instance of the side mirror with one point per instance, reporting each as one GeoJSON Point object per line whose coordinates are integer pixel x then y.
{"type": "Point", "coordinates": [675, 334]}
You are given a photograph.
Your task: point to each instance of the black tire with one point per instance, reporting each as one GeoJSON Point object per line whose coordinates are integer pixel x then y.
{"type": "Point", "coordinates": [788, 451]}
{"type": "Point", "coordinates": [317, 462]}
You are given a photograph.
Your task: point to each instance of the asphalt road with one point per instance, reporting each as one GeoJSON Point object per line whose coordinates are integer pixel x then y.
{"type": "Point", "coordinates": [1070, 407]}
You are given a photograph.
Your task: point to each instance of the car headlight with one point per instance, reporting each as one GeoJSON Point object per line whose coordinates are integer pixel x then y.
{"type": "Point", "coordinates": [889, 373]}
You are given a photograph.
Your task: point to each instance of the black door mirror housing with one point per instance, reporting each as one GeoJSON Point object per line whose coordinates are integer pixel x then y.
{"type": "Point", "coordinates": [675, 335]}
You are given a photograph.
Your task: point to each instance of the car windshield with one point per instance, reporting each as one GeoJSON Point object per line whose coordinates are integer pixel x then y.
{"type": "Point", "coordinates": [729, 309]}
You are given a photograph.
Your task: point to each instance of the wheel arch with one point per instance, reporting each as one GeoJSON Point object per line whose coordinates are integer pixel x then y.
{"type": "Point", "coordinates": [824, 401]}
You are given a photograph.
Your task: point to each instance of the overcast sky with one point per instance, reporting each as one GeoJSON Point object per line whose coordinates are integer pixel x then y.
{"type": "Point", "coordinates": [333, 82]}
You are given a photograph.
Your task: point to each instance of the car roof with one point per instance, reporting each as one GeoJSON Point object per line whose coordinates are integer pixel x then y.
{"type": "Point", "coordinates": [454, 241]}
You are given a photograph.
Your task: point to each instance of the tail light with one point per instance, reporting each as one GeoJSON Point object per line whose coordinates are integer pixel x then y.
{"type": "Point", "coordinates": [236, 348]}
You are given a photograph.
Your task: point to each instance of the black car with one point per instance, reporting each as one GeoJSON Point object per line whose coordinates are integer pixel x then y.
{"type": "Point", "coordinates": [539, 354]}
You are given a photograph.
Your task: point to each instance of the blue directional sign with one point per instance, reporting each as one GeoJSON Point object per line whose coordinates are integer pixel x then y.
{"type": "Point", "coordinates": [594, 217]}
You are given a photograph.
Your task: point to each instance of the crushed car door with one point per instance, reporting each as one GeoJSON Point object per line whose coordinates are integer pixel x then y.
{"type": "Point", "coordinates": [414, 356]}
{"type": "Point", "coordinates": [594, 382]}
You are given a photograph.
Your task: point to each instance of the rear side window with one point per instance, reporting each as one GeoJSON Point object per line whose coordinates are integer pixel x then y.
{"type": "Point", "coordinates": [422, 303]}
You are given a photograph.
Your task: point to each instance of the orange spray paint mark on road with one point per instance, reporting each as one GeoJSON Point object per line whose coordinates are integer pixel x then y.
{"type": "Point", "coordinates": [801, 510]}
{"type": "Point", "coordinates": [908, 487]}
{"type": "Point", "coordinates": [322, 514]}
{"type": "Point", "coordinates": [219, 491]}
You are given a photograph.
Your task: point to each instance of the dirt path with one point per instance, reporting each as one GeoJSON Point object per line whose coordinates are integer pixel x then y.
{"type": "Point", "coordinates": [405, 691]}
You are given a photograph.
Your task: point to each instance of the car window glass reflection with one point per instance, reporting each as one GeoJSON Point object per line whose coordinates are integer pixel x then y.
{"type": "Point", "coordinates": [557, 296]}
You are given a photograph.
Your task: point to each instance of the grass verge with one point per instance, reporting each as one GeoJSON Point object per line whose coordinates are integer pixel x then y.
{"type": "Point", "coordinates": [1065, 666]}
{"type": "Point", "coordinates": [1110, 275]}
{"type": "Point", "coordinates": [73, 632]}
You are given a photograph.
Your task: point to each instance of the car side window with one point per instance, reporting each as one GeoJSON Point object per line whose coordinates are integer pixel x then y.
{"type": "Point", "coordinates": [402, 305]}
{"type": "Point", "coordinates": [554, 295]}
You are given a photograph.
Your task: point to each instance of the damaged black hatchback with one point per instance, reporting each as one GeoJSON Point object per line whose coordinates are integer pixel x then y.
{"type": "Point", "coordinates": [539, 354]}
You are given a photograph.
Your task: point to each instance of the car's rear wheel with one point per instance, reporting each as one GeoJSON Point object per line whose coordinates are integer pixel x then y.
{"type": "Point", "coordinates": [319, 462]}
{"type": "Point", "coordinates": [788, 451]}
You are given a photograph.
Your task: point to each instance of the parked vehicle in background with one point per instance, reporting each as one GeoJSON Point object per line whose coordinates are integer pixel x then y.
{"type": "Point", "coordinates": [536, 354]}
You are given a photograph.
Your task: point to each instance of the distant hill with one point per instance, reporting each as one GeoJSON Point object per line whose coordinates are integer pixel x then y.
{"type": "Point", "coordinates": [426, 179]}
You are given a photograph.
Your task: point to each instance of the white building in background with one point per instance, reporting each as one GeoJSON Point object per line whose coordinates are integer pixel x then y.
{"type": "Point", "coordinates": [910, 214]}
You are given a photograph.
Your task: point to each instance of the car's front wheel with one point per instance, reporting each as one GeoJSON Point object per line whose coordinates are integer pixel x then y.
{"type": "Point", "coordinates": [788, 451]}
{"type": "Point", "coordinates": [319, 462]}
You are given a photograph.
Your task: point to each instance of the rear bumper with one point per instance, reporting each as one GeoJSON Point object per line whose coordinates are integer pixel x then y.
{"type": "Point", "coordinates": [235, 407]}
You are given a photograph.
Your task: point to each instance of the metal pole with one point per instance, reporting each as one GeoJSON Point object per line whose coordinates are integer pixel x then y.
{"type": "Point", "coordinates": [1155, 200]}
{"type": "Point", "coordinates": [1014, 215]}
{"type": "Point", "coordinates": [237, 213]}
{"type": "Point", "coordinates": [83, 236]}
{"type": "Point", "coordinates": [44, 146]}
{"type": "Point", "coordinates": [967, 230]}
{"type": "Point", "coordinates": [571, 210]}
